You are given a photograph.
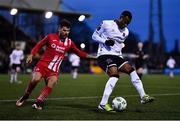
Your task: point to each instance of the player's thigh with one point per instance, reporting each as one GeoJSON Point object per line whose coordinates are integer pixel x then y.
{"type": "Point", "coordinates": [126, 68]}
{"type": "Point", "coordinates": [18, 69]}
{"type": "Point", "coordinates": [51, 81]}
{"type": "Point", "coordinates": [36, 77]}
{"type": "Point", "coordinates": [106, 62]}
{"type": "Point", "coordinates": [140, 70]}
{"type": "Point", "coordinates": [13, 68]}
{"type": "Point", "coordinates": [112, 71]}
{"type": "Point", "coordinates": [109, 63]}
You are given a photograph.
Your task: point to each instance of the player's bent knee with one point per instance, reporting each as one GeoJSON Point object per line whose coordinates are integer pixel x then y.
{"type": "Point", "coordinates": [51, 83]}
{"type": "Point", "coordinates": [114, 75]}
{"type": "Point", "coordinates": [131, 70]}
{"type": "Point", "coordinates": [36, 79]}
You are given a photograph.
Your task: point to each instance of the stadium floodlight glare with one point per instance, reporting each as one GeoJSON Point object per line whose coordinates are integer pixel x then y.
{"type": "Point", "coordinates": [48, 14]}
{"type": "Point", "coordinates": [81, 17]}
{"type": "Point", "coordinates": [13, 11]}
{"type": "Point", "coordinates": [83, 45]}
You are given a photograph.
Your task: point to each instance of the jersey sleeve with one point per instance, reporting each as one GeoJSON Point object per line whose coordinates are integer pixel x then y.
{"type": "Point", "coordinates": [77, 51]}
{"type": "Point", "coordinates": [41, 43]}
{"type": "Point", "coordinates": [97, 35]}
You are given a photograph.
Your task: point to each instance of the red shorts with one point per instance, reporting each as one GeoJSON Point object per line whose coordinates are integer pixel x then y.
{"type": "Point", "coordinates": [44, 71]}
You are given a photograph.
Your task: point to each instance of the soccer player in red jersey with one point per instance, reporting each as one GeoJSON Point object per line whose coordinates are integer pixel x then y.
{"type": "Point", "coordinates": [57, 45]}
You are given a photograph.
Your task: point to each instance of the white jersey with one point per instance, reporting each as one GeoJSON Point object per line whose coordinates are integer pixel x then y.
{"type": "Point", "coordinates": [110, 30]}
{"type": "Point", "coordinates": [171, 63]}
{"type": "Point", "coordinates": [16, 56]}
{"type": "Point", "coordinates": [74, 59]}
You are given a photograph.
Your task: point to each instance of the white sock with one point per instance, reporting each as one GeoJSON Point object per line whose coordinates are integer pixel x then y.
{"type": "Point", "coordinates": [108, 89]}
{"type": "Point", "coordinates": [15, 77]}
{"type": "Point", "coordinates": [74, 74]}
{"type": "Point", "coordinates": [171, 74]}
{"type": "Point", "coordinates": [137, 83]}
{"type": "Point", "coordinates": [12, 76]}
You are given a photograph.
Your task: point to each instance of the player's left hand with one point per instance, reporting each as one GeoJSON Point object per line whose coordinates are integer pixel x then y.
{"type": "Point", "coordinates": [29, 58]}
{"type": "Point", "coordinates": [109, 42]}
{"type": "Point", "coordinates": [91, 57]}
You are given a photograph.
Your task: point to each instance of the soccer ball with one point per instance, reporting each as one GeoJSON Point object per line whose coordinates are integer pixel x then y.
{"type": "Point", "coordinates": [119, 104]}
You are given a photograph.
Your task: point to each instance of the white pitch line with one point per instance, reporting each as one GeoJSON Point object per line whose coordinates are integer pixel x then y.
{"type": "Point", "coordinates": [92, 97]}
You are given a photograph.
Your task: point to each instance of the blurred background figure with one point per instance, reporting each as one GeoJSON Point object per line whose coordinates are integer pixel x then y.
{"type": "Point", "coordinates": [140, 59]}
{"type": "Point", "coordinates": [75, 62]}
{"type": "Point", "coordinates": [171, 64]}
{"type": "Point", "coordinates": [16, 58]}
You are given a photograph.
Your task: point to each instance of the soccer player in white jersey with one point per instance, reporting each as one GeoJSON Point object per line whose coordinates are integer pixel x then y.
{"type": "Point", "coordinates": [75, 61]}
{"type": "Point", "coordinates": [110, 35]}
{"type": "Point", "coordinates": [16, 58]}
{"type": "Point", "coordinates": [171, 64]}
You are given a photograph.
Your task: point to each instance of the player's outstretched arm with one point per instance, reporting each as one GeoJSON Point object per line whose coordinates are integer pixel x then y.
{"type": "Point", "coordinates": [97, 35]}
{"type": "Point", "coordinates": [81, 53]}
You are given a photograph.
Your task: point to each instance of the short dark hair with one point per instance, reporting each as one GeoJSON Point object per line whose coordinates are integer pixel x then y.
{"type": "Point", "coordinates": [127, 13]}
{"type": "Point", "coordinates": [65, 22]}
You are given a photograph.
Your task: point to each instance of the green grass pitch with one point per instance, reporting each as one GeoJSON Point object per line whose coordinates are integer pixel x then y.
{"type": "Point", "coordinates": [78, 99]}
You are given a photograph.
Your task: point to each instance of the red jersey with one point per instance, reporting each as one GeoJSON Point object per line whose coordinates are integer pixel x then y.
{"type": "Point", "coordinates": [55, 51]}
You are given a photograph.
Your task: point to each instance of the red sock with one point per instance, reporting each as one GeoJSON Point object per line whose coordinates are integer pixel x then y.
{"type": "Point", "coordinates": [30, 87]}
{"type": "Point", "coordinates": [44, 94]}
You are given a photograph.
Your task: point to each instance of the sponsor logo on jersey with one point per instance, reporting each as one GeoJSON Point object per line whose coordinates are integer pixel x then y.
{"type": "Point", "coordinates": [58, 48]}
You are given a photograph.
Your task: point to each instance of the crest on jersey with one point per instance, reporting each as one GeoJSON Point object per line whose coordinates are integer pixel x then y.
{"type": "Point", "coordinates": [124, 34]}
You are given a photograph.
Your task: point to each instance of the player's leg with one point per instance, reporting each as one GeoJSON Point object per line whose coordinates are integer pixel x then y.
{"type": "Point", "coordinates": [15, 77]}
{"type": "Point", "coordinates": [45, 92]}
{"type": "Point", "coordinates": [139, 68]}
{"type": "Point", "coordinates": [108, 64]}
{"type": "Point", "coordinates": [140, 72]}
{"type": "Point", "coordinates": [113, 78]}
{"type": "Point", "coordinates": [171, 73]}
{"type": "Point", "coordinates": [127, 68]}
{"type": "Point", "coordinates": [12, 72]}
{"type": "Point", "coordinates": [18, 69]}
{"type": "Point", "coordinates": [75, 72]}
{"type": "Point", "coordinates": [31, 85]}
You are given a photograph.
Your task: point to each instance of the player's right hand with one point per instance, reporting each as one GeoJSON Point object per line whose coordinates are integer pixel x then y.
{"type": "Point", "coordinates": [109, 42]}
{"type": "Point", "coordinates": [29, 58]}
{"type": "Point", "coordinates": [91, 56]}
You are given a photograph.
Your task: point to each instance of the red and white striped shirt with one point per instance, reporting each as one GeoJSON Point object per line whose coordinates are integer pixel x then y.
{"type": "Point", "coordinates": [55, 51]}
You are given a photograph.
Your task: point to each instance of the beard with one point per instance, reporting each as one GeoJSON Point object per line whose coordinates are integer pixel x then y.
{"type": "Point", "coordinates": [63, 36]}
